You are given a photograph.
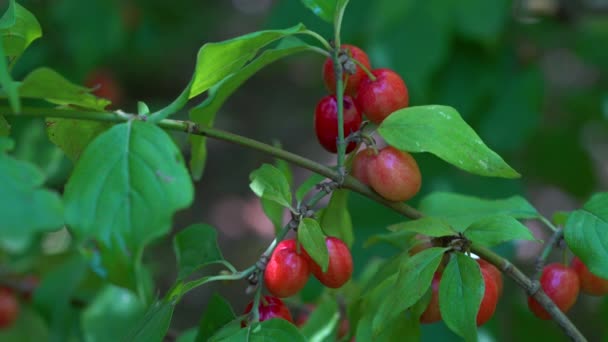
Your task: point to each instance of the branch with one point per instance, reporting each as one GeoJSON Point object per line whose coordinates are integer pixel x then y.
{"type": "Point", "coordinates": [531, 288]}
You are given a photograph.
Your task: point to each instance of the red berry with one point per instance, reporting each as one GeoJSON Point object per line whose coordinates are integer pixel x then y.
{"type": "Point", "coordinates": [340, 266]}
{"type": "Point", "coordinates": [352, 81]}
{"type": "Point", "coordinates": [494, 272]}
{"type": "Point", "coordinates": [561, 284]}
{"type": "Point", "coordinates": [270, 307]}
{"type": "Point", "coordinates": [490, 298]}
{"type": "Point", "coordinates": [105, 85]}
{"type": "Point", "coordinates": [432, 313]}
{"type": "Point", "coordinates": [287, 271]}
{"type": "Point", "coordinates": [9, 307]}
{"type": "Point", "coordinates": [394, 174]}
{"type": "Point", "coordinates": [590, 283]}
{"type": "Point", "coordinates": [326, 122]}
{"type": "Point", "coordinates": [379, 98]}
{"type": "Point", "coordinates": [359, 170]}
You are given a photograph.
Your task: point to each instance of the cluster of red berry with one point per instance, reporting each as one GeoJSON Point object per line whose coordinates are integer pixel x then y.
{"type": "Point", "coordinates": [392, 173]}
{"type": "Point", "coordinates": [288, 270]}
{"type": "Point", "coordinates": [562, 284]}
{"type": "Point", "coordinates": [9, 301]}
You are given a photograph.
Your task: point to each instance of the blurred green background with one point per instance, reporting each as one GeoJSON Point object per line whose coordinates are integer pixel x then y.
{"type": "Point", "coordinates": [530, 76]}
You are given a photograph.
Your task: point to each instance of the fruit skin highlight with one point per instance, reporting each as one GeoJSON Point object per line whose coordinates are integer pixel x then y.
{"type": "Point", "coordinates": [270, 307]}
{"type": "Point", "coordinates": [326, 122]}
{"type": "Point", "coordinates": [287, 271]}
{"type": "Point", "coordinates": [561, 284]}
{"type": "Point", "coordinates": [378, 98]}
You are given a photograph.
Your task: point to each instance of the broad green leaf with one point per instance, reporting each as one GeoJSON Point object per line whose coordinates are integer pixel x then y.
{"type": "Point", "coordinates": [19, 30]}
{"type": "Point", "coordinates": [204, 113]}
{"type": "Point", "coordinates": [270, 183]}
{"type": "Point", "coordinates": [127, 185]}
{"type": "Point", "coordinates": [47, 84]}
{"type": "Point", "coordinates": [217, 314]}
{"type": "Point", "coordinates": [399, 239]}
{"type": "Point", "coordinates": [322, 322]}
{"type": "Point", "coordinates": [460, 211]}
{"type": "Point", "coordinates": [494, 230]}
{"type": "Point", "coordinates": [460, 292]}
{"type": "Point", "coordinates": [586, 233]}
{"type": "Point", "coordinates": [312, 239]}
{"type": "Point", "coordinates": [308, 185]}
{"type": "Point", "coordinates": [5, 127]}
{"type": "Point", "coordinates": [21, 194]}
{"type": "Point", "coordinates": [412, 282]}
{"type": "Point", "coordinates": [228, 332]}
{"type": "Point", "coordinates": [274, 211]}
{"type": "Point", "coordinates": [73, 136]}
{"type": "Point", "coordinates": [273, 330]}
{"type": "Point", "coordinates": [153, 325]}
{"type": "Point", "coordinates": [8, 85]}
{"type": "Point", "coordinates": [196, 247]}
{"type": "Point", "coordinates": [427, 225]}
{"type": "Point", "coordinates": [324, 9]}
{"type": "Point", "coordinates": [440, 130]}
{"type": "Point", "coordinates": [335, 218]}
{"type": "Point", "coordinates": [400, 328]}
{"type": "Point", "coordinates": [215, 61]}
{"type": "Point", "coordinates": [113, 307]}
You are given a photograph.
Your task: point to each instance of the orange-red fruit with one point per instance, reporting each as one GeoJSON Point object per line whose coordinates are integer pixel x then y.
{"type": "Point", "coordinates": [590, 283]}
{"type": "Point", "coordinates": [287, 271]}
{"type": "Point", "coordinates": [270, 307]}
{"type": "Point", "coordinates": [9, 307]}
{"type": "Point", "coordinates": [326, 122]}
{"type": "Point", "coordinates": [561, 284]}
{"type": "Point", "coordinates": [394, 174]}
{"type": "Point", "coordinates": [359, 170]}
{"type": "Point", "coordinates": [432, 313]}
{"type": "Point", "coordinates": [489, 300]}
{"type": "Point", "coordinates": [494, 272]}
{"type": "Point", "coordinates": [105, 85]}
{"type": "Point", "coordinates": [340, 266]}
{"type": "Point", "coordinates": [352, 81]}
{"type": "Point", "coordinates": [377, 99]}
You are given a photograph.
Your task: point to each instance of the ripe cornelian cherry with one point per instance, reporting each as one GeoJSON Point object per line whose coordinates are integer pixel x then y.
{"type": "Point", "coordinates": [105, 85]}
{"type": "Point", "coordinates": [490, 298]}
{"type": "Point", "coordinates": [287, 271]}
{"type": "Point", "coordinates": [326, 122]}
{"type": "Point", "coordinates": [561, 284]}
{"type": "Point", "coordinates": [9, 307]}
{"type": "Point", "coordinates": [352, 81]}
{"type": "Point", "coordinates": [340, 266]}
{"type": "Point", "coordinates": [494, 272]}
{"type": "Point", "coordinates": [590, 283]}
{"type": "Point", "coordinates": [432, 313]}
{"type": "Point", "coordinates": [394, 174]}
{"type": "Point", "coordinates": [378, 98]}
{"type": "Point", "coordinates": [360, 161]}
{"type": "Point", "coordinates": [270, 307]}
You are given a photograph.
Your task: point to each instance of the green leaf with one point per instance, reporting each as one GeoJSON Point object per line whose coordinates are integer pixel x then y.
{"type": "Point", "coordinates": [274, 211]}
{"type": "Point", "coordinates": [412, 282]}
{"type": "Point", "coordinates": [18, 29]}
{"type": "Point", "coordinates": [586, 233]}
{"type": "Point", "coordinates": [153, 325]}
{"type": "Point", "coordinates": [312, 239]}
{"type": "Point", "coordinates": [308, 185]}
{"type": "Point", "coordinates": [399, 239]}
{"type": "Point", "coordinates": [215, 61]}
{"type": "Point", "coordinates": [21, 194]}
{"type": "Point", "coordinates": [113, 307]}
{"type": "Point", "coordinates": [440, 130]}
{"type": "Point", "coordinates": [187, 335]}
{"type": "Point", "coordinates": [492, 231]}
{"type": "Point", "coordinates": [335, 219]}
{"type": "Point", "coordinates": [47, 84]}
{"type": "Point", "coordinates": [427, 225]}
{"type": "Point", "coordinates": [324, 9]}
{"type": "Point", "coordinates": [127, 185]}
{"type": "Point", "coordinates": [322, 322]}
{"type": "Point", "coordinates": [460, 292]}
{"type": "Point", "coordinates": [217, 314]}
{"type": "Point", "coordinates": [5, 127]}
{"type": "Point", "coordinates": [460, 211]}
{"type": "Point", "coordinates": [204, 113]}
{"type": "Point", "coordinates": [73, 136]}
{"type": "Point", "coordinates": [196, 247]}
{"type": "Point", "coordinates": [270, 183]}
{"type": "Point", "coordinates": [481, 20]}
{"type": "Point", "coordinates": [400, 328]}
{"type": "Point", "coordinates": [273, 330]}
{"type": "Point", "coordinates": [8, 85]}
